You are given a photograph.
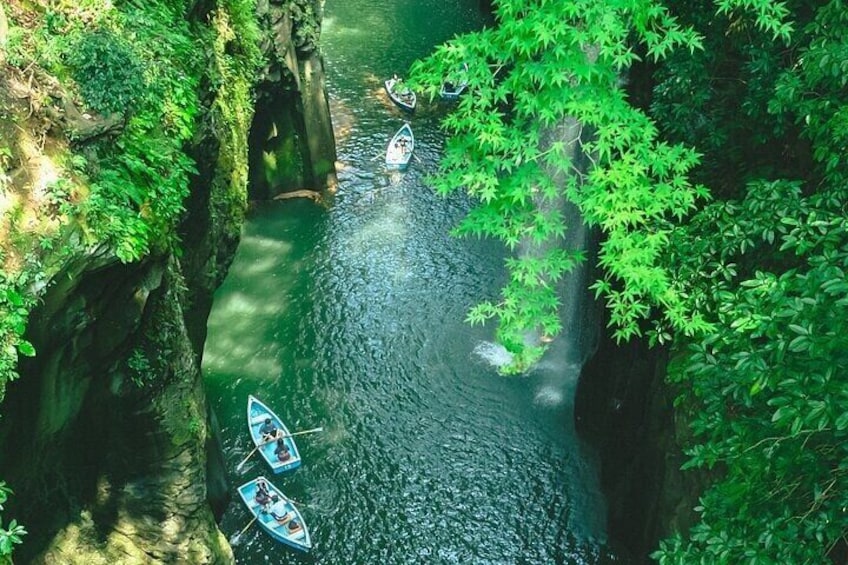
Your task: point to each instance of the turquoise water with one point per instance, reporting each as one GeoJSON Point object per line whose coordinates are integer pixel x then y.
{"type": "Point", "coordinates": [350, 317]}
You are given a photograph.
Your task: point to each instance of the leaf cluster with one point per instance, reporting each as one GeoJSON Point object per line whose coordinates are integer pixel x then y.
{"type": "Point", "coordinates": [15, 305]}
{"type": "Point", "coordinates": [765, 391]}
{"type": "Point", "coordinates": [12, 534]}
{"type": "Point", "coordinates": [548, 125]}
{"type": "Point", "coordinates": [108, 72]}
{"type": "Point", "coordinates": [307, 29]}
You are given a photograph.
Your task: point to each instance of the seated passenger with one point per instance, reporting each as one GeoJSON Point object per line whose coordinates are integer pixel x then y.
{"type": "Point", "coordinates": [294, 526]}
{"type": "Point", "coordinates": [279, 510]}
{"type": "Point", "coordinates": [282, 450]}
{"type": "Point", "coordinates": [269, 431]}
{"type": "Point", "coordinates": [263, 495]}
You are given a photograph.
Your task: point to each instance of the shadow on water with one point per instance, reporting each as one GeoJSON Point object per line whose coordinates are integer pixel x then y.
{"type": "Point", "coordinates": [352, 318]}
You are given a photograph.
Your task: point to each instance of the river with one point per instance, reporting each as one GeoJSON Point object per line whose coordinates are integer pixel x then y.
{"type": "Point", "coordinates": [351, 317]}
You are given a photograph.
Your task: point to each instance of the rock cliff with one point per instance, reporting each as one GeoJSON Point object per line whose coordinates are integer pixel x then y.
{"type": "Point", "coordinates": [106, 437]}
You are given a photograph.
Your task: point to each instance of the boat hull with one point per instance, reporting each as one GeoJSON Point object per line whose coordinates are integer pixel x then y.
{"type": "Point", "coordinates": [301, 540]}
{"type": "Point", "coordinates": [407, 104]}
{"type": "Point", "coordinates": [400, 149]}
{"type": "Point", "coordinates": [454, 91]}
{"type": "Point", "coordinates": [257, 411]}
{"type": "Point", "coordinates": [451, 94]}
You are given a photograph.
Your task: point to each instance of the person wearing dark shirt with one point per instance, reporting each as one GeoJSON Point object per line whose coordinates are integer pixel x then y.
{"type": "Point", "coordinates": [282, 450]}
{"type": "Point", "coordinates": [268, 430]}
{"type": "Point", "coordinates": [263, 496]}
{"type": "Point", "coordinates": [294, 526]}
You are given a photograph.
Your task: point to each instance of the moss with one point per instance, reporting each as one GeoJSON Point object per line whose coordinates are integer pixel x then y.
{"type": "Point", "coordinates": [126, 185]}
{"type": "Point", "coordinates": [283, 164]}
{"type": "Point", "coordinates": [122, 185]}
{"type": "Point", "coordinates": [236, 32]}
{"type": "Point", "coordinates": [324, 167]}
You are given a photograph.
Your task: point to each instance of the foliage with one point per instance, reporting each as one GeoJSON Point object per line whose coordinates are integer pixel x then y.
{"type": "Point", "coordinates": [766, 390]}
{"type": "Point", "coordinates": [108, 72]}
{"type": "Point", "coordinates": [236, 31]}
{"type": "Point", "coordinates": [716, 99]}
{"type": "Point", "coordinates": [549, 119]}
{"type": "Point", "coordinates": [141, 371]}
{"type": "Point", "coordinates": [14, 312]}
{"type": "Point", "coordinates": [13, 533]}
{"type": "Point", "coordinates": [307, 28]}
{"type": "Point", "coordinates": [137, 196]}
{"type": "Point", "coordinates": [147, 61]}
{"type": "Point", "coordinates": [752, 288]}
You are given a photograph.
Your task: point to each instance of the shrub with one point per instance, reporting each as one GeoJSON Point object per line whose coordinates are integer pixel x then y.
{"type": "Point", "coordinates": [109, 74]}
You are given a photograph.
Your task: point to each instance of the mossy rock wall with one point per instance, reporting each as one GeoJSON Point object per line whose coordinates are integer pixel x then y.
{"type": "Point", "coordinates": [110, 456]}
{"type": "Point", "coordinates": [292, 142]}
{"type": "Point", "coordinates": [107, 439]}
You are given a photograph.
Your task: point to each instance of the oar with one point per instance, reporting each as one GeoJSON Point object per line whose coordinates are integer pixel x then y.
{"type": "Point", "coordinates": [249, 455]}
{"type": "Point", "coordinates": [312, 431]}
{"type": "Point", "coordinates": [235, 539]}
{"type": "Point", "coordinates": [295, 502]}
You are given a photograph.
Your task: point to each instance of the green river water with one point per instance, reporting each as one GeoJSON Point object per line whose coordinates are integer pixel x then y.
{"type": "Point", "coordinates": [351, 317]}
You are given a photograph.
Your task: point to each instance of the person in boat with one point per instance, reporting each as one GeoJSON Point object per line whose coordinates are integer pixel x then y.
{"type": "Point", "coordinates": [279, 510]}
{"type": "Point", "coordinates": [282, 450]}
{"type": "Point", "coordinates": [269, 431]}
{"type": "Point", "coordinates": [263, 495]}
{"type": "Point", "coordinates": [400, 88]}
{"type": "Point", "coordinates": [294, 526]}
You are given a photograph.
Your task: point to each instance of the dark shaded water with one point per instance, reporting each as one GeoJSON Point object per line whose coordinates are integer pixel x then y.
{"type": "Point", "coordinates": [351, 317]}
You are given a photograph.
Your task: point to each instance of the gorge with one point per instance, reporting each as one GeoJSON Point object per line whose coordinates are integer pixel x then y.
{"type": "Point", "coordinates": [349, 314]}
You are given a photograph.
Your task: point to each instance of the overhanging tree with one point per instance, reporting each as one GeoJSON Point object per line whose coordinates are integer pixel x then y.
{"type": "Point", "coordinates": [548, 121]}
{"type": "Point", "coordinates": [752, 288]}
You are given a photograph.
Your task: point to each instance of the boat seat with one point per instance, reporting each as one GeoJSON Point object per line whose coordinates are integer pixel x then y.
{"type": "Point", "coordinates": [286, 519]}
{"type": "Point", "coordinates": [259, 419]}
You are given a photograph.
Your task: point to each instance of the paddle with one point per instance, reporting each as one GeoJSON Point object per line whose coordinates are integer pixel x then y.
{"type": "Point", "coordinates": [249, 455]}
{"type": "Point", "coordinates": [235, 539]}
{"type": "Point", "coordinates": [296, 502]}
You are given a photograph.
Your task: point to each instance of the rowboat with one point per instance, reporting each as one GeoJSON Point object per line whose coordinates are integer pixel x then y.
{"type": "Point", "coordinates": [257, 414]}
{"type": "Point", "coordinates": [451, 90]}
{"type": "Point", "coordinates": [400, 94]}
{"type": "Point", "coordinates": [399, 151]}
{"type": "Point", "coordinates": [291, 529]}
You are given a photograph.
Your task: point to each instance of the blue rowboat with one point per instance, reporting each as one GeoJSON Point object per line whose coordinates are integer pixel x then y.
{"type": "Point", "coordinates": [291, 530]}
{"type": "Point", "coordinates": [451, 90]}
{"type": "Point", "coordinates": [257, 413]}
{"type": "Point", "coordinates": [400, 94]}
{"type": "Point", "coordinates": [399, 151]}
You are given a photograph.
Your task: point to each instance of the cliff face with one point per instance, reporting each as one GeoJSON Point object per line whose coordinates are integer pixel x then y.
{"type": "Point", "coordinates": [624, 407]}
{"type": "Point", "coordinates": [106, 430]}
{"type": "Point", "coordinates": [106, 439]}
{"type": "Point", "coordinates": [292, 145]}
